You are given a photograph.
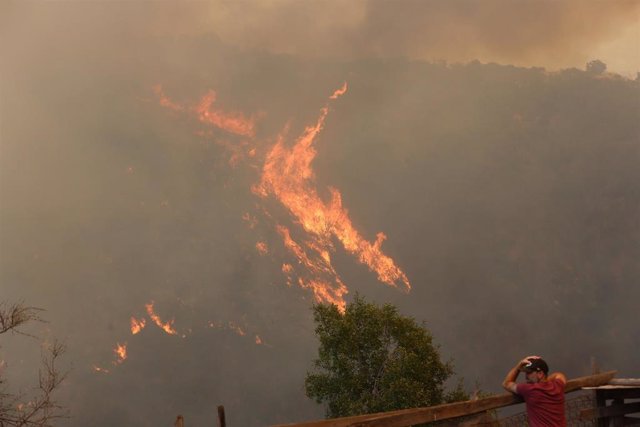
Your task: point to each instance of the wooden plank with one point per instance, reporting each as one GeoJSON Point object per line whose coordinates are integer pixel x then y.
{"type": "Point", "coordinates": [407, 417]}
{"type": "Point", "coordinates": [222, 419]}
{"type": "Point", "coordinates": [600, 402]}
{"type": "Point", "coordinates": [625, 381]}
{"type": "Point", "coordinates": [589, 381]}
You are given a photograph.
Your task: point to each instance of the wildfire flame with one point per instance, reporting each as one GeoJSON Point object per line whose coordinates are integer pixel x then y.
{"type": "Point", "coordinates": [165, 326]}
{"type": "Point", "coordinates": [250, 220]}
{"type": "Point", "coordinates": [231, 122]}
{"type": "Point", "coordinates": [262, 248]}
{"type": "Point", "coordinates": [288, 176]}
{"type": "Point", "coordinates": [121, 353]}
{"type": "Point", "coordinates": [165, 101]}
{"type": "Point", "coordinates": [237, 329]}
{"type": "Point", "coordinates": [137, 325]}
{"type": "Point", "coordinates": [338, 93]}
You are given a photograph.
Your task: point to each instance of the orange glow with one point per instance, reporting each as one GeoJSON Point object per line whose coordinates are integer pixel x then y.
{"type": "Point", "coordinates": [237, 329]}
{"type": "Point", "coordinates": [262, 248]}
{"type": "Point", "coordinates": [235, 123]}
{"type": "Point", "coordinates": [137, 325]}
{"type": "Point", "coordinates": [250, 220]}
{"type": "Point", "coordinates": [258, 340]}
{"type": "Point", "coordinates": [165, 326]}
{"type": "Point", "coordinates": [121, 353]}
{"type": "Point", "coordinates": [338, 93]}
{"type": "Point", "coordinates": [99, 369]}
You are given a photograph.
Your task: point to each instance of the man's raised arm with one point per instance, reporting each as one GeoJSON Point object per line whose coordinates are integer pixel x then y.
{"type": "Point", "coordinates": [509, 382]}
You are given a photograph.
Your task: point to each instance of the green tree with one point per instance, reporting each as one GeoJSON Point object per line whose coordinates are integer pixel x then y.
{"type": "Point", "coordinates": [372, 359]}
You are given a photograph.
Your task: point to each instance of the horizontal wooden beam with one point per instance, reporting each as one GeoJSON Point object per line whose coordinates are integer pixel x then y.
{"type": "Point", "coordinates": [589, 381]}
{"type": "Point", "coordinates": [408, 417]}
{"type": "Point", "coordinates": [625, 381]}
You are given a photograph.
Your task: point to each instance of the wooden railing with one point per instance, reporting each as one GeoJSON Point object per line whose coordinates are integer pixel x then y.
{"type": "Point", "coordinates": [623, 395]}
{"type": "Point", "coordinates": [409, 417]}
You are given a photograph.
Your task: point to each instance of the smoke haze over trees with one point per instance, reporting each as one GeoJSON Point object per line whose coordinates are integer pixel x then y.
{"type": "Point", "coordinates": [509, 196]}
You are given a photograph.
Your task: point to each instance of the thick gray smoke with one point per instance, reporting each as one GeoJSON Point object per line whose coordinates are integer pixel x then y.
{"type": "Point", "coordinates": [528, 33]}
{"type": "Point", "coordinates": [509, 195]}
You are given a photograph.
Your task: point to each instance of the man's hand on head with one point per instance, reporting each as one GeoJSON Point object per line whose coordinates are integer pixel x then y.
{"type": "Point", "coordinates": [527, 360]}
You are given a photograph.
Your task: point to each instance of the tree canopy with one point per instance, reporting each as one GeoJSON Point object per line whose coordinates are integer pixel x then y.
{"type": "Point", "coordinates": [372, 359]}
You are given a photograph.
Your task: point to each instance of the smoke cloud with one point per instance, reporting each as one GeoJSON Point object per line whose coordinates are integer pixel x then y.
{"type": "Point", "coordinates": [555, 34]}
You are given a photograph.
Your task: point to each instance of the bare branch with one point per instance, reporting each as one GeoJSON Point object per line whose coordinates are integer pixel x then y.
{"type": "Point", "coordinates": [41, 408]}
{"type": "Point", "coordinates": [12, 316]}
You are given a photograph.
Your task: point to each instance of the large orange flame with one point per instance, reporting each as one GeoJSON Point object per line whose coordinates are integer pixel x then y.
{"type": "Point", "coordinates": [288, 176]}
{"type": "Point", "coordinates": [328, 289]}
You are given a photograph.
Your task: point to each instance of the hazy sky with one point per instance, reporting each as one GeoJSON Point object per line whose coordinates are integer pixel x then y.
{"type": "Point", "coordinates": [134, 143]}
{"type": "Point", "coordinates": [542, 33]}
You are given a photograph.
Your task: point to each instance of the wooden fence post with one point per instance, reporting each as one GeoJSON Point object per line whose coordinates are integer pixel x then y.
{"type": "Point", "coordinates": [221, 419]}
{"type": "Point", "coordinates": [179, 421]}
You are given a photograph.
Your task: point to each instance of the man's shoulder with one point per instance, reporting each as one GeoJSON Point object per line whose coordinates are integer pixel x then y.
{"type": "Point", "coordinates": [558, 384]}
{"type": "Point", "coordinates": [558, 376]}
{"type": "Point", "coordinates": [553, 385]}
{"type": "Point", "coordinates": [524, 388]}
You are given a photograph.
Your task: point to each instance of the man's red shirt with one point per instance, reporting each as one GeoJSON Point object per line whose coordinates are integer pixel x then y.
{"type": "Point", "coordinates": [545, 403]}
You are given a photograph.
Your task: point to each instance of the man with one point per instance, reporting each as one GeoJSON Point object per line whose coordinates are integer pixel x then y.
{"type": "Point", "coordinates": [542, 393]}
